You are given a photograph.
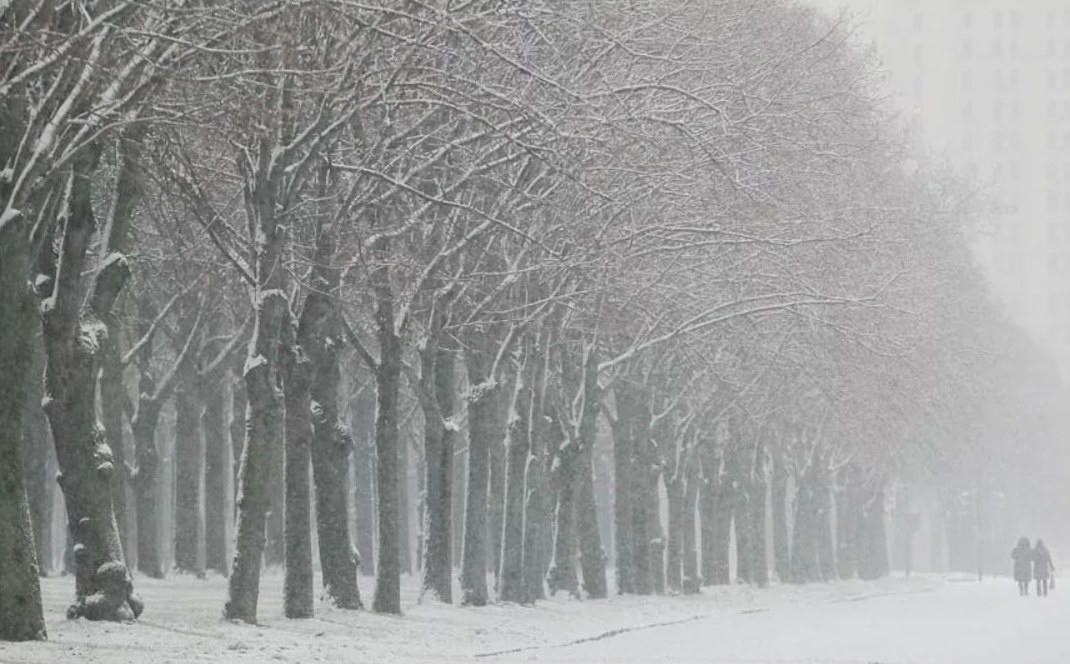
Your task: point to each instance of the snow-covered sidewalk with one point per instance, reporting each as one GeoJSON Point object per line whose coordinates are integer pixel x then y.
{"type": "Point", "coordinates": [893, 621]}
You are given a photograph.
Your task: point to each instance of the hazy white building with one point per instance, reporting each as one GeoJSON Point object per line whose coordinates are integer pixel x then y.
{"type": "Point", "coordinates": [987, 85]}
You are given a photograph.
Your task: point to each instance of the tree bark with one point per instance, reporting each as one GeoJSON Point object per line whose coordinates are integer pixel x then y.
{"type": "Point", "coordinates": [674, 556]}
{"type": "Point", "coordinates": [624, 444]}
{"type": "Point", "coordinates": [806, 549]}
{"type": "Point", "coordinates": [145, 478]}
{"type": "Point", "coordinates": [482, 406]}
{"type": "Point", "coordinates": [873, 560]}
{"type": "Point", "coordinates": [849, 523]}
{"type": "Point", "coordinates": [264, 417]}
{"type": "Point", "coordinates": [21, 617]}
{"type": "Point", "coordinates": [275, 546]}
{"type": "Point", "coordinates": [439, 434]}
{"type": "Point", "coordinates": [112, 398]}
{"type": "Point", "coordinates": [592, 555]}
{"type": "Point", "coordinates": [742, 523]}
{"type": "Point", "coordinates": [37, 455]}
{"type": "Point", "coordinates": [144, 423]}
{"type": "Point", "coordinates": [318, 334]}
{"type": "Point", "coordinates": [460, 490]}
{"type": "Point", "coordinates": [716, 521]}
{"type": "Point", "coordinates": [781, 543]}
{"type": "Point", "coordinates": [362, 424]}
{"type": "Point", "coordinates": [645, 527]}
{"type": "Point", "coordinates": [236, 427]}
{"type": "Point", "coordinates": [215, 488]}
{"type": "Point", "coordinates": [757, 490]}
{"type": "Point", "coordinates": [297, 379]}
{"type": "Point", "coordinates": [496, 487]}
{"type": "Point", "coordinates": [387, 597]}
{"type": "Point", "coordinates": [518, 446]}
{"type": "Point", "coordinates": [538, 528]}
{"type": "Point", "coordinates": [406, 561]}
{"type": "Point", "coordinates": [73, 339]}
{"type": "Point", "coordinates": [128, 193]}
{"type": "Point", "coordinates": [562, 574]}
{"type": "Point", "coordinates": [263, 425]}
{"type": "Point", "coordinates": [691, 581]}
{"type": "Point", "coordinates": [189, 454]}
{"type": "Point", "coordinates": [331, 450]}
{"type": "Point", "coordinates": [826, 551]}
{"type": "Point", "coordinates": [388, 572]}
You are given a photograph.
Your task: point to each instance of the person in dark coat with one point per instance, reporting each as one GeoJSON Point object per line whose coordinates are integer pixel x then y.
{"type": "Point", "coordinates": [1042, 567]}
{"type": "Point", "coordinates": [1022, 555]}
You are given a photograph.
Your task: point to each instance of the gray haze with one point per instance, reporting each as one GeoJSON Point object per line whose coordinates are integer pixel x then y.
{"type": "Point", "coordinates": [986, 84]}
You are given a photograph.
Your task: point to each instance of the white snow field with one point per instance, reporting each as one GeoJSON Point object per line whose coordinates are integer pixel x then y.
{"type": "Point", "coordinates": [925, 619]}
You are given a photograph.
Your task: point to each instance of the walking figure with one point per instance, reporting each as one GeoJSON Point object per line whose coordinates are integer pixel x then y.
{"type": "Point", "coordinates": [1042, 567]}
{"type": "Point", "coordinates": [1022, 556]}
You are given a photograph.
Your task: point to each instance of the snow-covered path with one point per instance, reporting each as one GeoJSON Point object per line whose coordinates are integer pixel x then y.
{"type": "Point", "coordinates": [922, 620]}
{"type": "Point", "coordinates": [966, 623]}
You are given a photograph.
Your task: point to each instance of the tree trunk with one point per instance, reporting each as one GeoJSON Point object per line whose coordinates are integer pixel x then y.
{"type": "Point", "coordinates": [236, 427]}
{"type": "Point", "coordinates": [646, 526]}
{"type": "Point", "coordinates": [362, 423]}
{"type": "Point", "coordinates": [482, 406]}
{"type": "Point", "coordinates": [823, 527]}
{"type": "Point", "coordinates": [146, 474]}
{"type": "Point", "coordinates": [742, 524]}
{"type": "Point", "coordinates": [264, 417]}
{"type": "Point", "coordinates": [263, 425]}
{"type": "Point", "coordinates": [331, 449]}
{"type": "Point", "coordinates": [73, 338]}
{"type": "Point", "coordinates": [781, 543]}
{"type": "Point", "coordinates": [21, 617]}
{"type": "Point", "coordinates": [297, 588]}
{"type": "Point", "coordinates": [331, 444]}
{"type": "Point", "coordinates": [674, 558]}
{"type": "Point", "coordinates": [145, 479]}
{"type": "Point", "coordinates": [439, 434]}
{"type": "Point", "coordinates": [112, 398]}
{"type": "Point", "coordinates": [691, 581]}
{"type": "Point", "coordinates": [849, 521]}
{"type": "Point", "coordinates": [657, 563]}
{"type": "Point", "coordinates": [128, 193]}
{"type": "Point", "coordinates": [275, 547]}
{"type": "Point", "coordinates": [406, 560]}
{"type": "Point", "coordinates": [188, 457]}
{"type": "Point", "coordinates": [628, 423]}
{"type": "Point", "coordinates": [215, 488]}
{"type": "Point", "coordinates": [757, 489]}
{"type": "Point", "coordinates": [592, 555]}
{"type": "Point", "coordinates": [707, 507]}
{"type": "Point", "coordinates": [716, 521]}
{"type": "Point", "coordinates": [873, 561]}
{"type": "Point", "coordinates": [562, 574]}
{"type": "Point", "coordinates": [518, 446]}
{"type": "Point", "coordinates": [537, 509]}
{"type": "Point", "coordinates": [387, 378]}
{"type": "Point", "coordinates": [805, 565]}
{"type": "Point", "coordinates": [537, 529]}
{"type": "Point", "coordinates": [37, 456]}
{"type": "Point", "coordinates": [496, 486]}
{"type": "Point", "coordinates": [460, 490]}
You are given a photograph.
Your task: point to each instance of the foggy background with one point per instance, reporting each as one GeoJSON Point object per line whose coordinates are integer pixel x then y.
{"type": "Point", "coordinates": [985, 86]}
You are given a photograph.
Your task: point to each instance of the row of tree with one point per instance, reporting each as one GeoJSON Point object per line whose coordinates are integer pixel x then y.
{"type": "Point", "coordinates": [334, 241]}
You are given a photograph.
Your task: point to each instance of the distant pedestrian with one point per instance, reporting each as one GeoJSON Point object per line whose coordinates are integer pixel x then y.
{"type": "Point", "coordinates": [1042, 567]}
{"type": "Point", "coordinates": [1022, 556]}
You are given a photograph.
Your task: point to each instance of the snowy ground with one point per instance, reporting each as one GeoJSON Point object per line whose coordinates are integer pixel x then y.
{"type": "Point", "coordinates": [933, 620]}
